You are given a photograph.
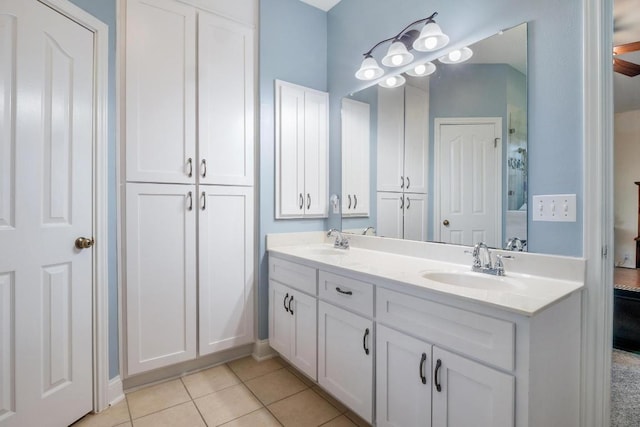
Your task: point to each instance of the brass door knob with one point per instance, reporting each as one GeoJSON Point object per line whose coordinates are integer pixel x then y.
{"type": "Point", "coordinates": [84, 243]}
{"type": "Point", "coordinates": [445, 222]}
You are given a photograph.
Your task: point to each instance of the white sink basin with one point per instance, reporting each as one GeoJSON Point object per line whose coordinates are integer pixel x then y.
{"type": "Point", "coordinates": [474, 280]}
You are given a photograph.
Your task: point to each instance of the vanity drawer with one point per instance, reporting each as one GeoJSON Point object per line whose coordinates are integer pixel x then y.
{"type": "Point", "coordinates": [481, 337]}
{"type": "Point", "coordinates": [294, 275]}
{"type": "Point", "coordinates": [351, 294]}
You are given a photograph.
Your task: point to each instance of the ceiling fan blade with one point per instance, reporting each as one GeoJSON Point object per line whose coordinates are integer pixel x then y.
{"type": "Point", "coordinates": [625, 67]}
{"type": "Point", "coordinates": [626, 48]}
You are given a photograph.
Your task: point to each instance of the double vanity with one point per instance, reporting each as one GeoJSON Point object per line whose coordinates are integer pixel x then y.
{"type": "Point", "coordinates": [404, 333]}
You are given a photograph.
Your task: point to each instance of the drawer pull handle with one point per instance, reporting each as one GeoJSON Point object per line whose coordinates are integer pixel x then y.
{"type": "Point", "coordinates": [344, 292]}
{"type": "Point", "coordinates": [308, 201]}
{"type": "Point", "coordinates": [423, 377]}
{"type": "Point", "coordinates": [290, 301]}
{"type": "Point", "coordinates": [364, 341]}
{"type": "Point", "coordinates": [408, 183]}
{"type": "Point", "coordinates": [190, 200]}
{"type": "Point", "coordinates": [402, 182]}
{"type": "Point", "coordinates": [301, 199]}
{"type": "Point", "coordinates": [355, 202]}
{"type": "Point", "coordinates": [190, 166]}
{"type": "Point", "coordinates": [436, 377]}
{"type": "Point", "coordinates": [285, 302]}
{"type": "Point", "coordinates": [408, 202]}
{"type": "Point", "coordinates": [401, 202]}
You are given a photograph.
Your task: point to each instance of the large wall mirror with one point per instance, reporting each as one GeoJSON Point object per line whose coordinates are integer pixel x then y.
{"type": "Point", "coordinates": [442, 157]}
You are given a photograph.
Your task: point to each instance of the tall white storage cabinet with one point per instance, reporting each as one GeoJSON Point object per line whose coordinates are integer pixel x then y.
{"type": "Point", "coordinates": [188, 228]}
{"type": "Point", "coordinates": [356, 139]}
{"type": "Point", "coordinates": [302, 120]}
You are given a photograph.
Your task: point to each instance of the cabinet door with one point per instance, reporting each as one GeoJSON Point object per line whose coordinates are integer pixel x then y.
{"type": "Point", "coordinates": [226, 267]}
{"type": "Point", "coordinates": [316, 166]}
{"type": "Point", "coordinates": [416, 139]}
{"type": "Point", "coordinates": [304, 354]}
{"type": "Point", "coordinates": [160, 98]}
{"type": "Point", "coordinates": [160, 275]}
{"type": "Point", "coordinates": [345, 357]}
{"type": "Point", "coordinates": [391, 139]}
{"type": "Point", "coordinates": [225, 101]}
{"type": "Point", "coordinates": [471, 394]}
{"type": "Point", "coordinates": [390, 218]}
{"type": "Point", "coordinates": [415, 216]}
{"type": "Point", "coordinates": [289, 150]}
{"type": "Point", "coordinates": [279, 318]}
{"type": "Point", "coordinates": [403, 380]}
{"type": "Point", "coordinates": [355, 158]}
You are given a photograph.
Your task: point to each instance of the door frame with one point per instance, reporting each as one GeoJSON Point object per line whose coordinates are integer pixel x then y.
{"type": "Point", "coordinates": [100, 265]}
{"type": "Point", "coordinates": [439, 121]}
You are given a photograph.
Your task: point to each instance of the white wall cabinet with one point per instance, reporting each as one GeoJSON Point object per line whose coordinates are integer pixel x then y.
{"type": "Point", "coordinates": [188, 118]}
{"type": "Point", "coordinates": [293, 326]}
{"type": "Point", "coordinates": [225, 280]}
{"type": "Point", "coordinates": [164, 96]}
{"type": "Point", "coordinates": [402, 215]}
{"type": "Point", "coordinates": [345, 357]}
{"type": "Point", "coordinates": [160, 275]}
{"type": "Point", "coordinates": [301, 151]}
{"type": "Point", "coordinates": [356, 140]}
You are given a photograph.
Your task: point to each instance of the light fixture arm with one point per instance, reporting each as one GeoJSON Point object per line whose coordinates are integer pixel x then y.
{"type": "Point", "coordinates": [399, 35]}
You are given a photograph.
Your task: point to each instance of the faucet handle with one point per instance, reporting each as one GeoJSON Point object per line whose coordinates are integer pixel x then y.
{"type": "Point", "coordinates": [499, 266]}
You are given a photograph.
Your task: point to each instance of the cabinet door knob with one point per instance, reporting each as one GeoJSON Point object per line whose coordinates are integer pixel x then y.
{"type": "Point", "coordinates": [423, 377]}
{"type": "Point", "coordinates": [445, 222]}
{"type": "Point", "coordinates": [290, 308]}
{"type": "Point", "coordinates": [364, 341]}
{"type": "Point", "coordinates": [436, 376]}
{"type": "Point", "coordinates": [301, 198]}
{"type": "Point", "coordinates": [355, 201]}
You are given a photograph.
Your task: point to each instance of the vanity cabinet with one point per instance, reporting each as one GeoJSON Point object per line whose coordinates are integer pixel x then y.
{"type": "Point", "coordinates": [402, 215]}
{"type": "Point", "coordinates": [301, 151]}
{"type": "Point", "coordinates": [189, 95]}
{"type": "Point", "coordinates": [356, 139]}
{"type": "Point", "coordinates": [293, 314]}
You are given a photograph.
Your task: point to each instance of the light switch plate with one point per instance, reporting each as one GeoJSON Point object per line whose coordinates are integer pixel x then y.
{"type": "Point", "coordinates": [557, 207]}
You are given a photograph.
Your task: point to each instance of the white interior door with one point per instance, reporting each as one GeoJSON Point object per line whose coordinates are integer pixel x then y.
{"type": "Point", "coordinates": [46, 134]}
{"type": "Point", "coordinates": [468, 197]}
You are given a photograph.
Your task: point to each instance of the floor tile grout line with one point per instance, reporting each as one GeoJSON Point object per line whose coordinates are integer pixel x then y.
{"type": "Point", "coordinates": [126, 399]}
{"type": "Point", "coordinates": [160, 410]}
{"type": "Point", "coordinates": [194, 402]}
{"type": "Point", "coordinates": [341, 411]}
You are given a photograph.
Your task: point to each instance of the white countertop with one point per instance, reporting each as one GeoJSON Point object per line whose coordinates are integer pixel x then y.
{"type": "Point", "coordinates": [518, 292]}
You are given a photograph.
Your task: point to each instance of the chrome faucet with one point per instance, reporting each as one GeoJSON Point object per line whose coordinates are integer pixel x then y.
{"type": "Point", "coordinates": [482, 264]}
{"type": "Point", "coordinates": [341, 241]}
{"type": "Point", "coordinates": [364, 233]}
{"type": "Point", "coordinates": [515, 244]}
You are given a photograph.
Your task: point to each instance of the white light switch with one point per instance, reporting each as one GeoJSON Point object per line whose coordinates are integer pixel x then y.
{"type": "Point", "coordinates": [558, 207]}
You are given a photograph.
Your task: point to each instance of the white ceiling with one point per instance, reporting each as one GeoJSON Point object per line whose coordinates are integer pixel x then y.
{"type": "Point", "coordinates": [325, 5]}
{"type": "Point", "coordinates": [626, 22]}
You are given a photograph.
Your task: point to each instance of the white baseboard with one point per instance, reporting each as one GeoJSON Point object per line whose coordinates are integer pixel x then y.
{"type": "Point", "coordinates": [115, 393]}
{"type": "Point", "coordinates": [262, 351]}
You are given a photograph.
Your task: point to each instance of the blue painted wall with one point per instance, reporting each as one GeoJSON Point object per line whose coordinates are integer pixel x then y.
{"type": "Point", "coordinates": [555, 100]}
{"type": "Point", "coordinates": [293, 48]}
{"type": "Point", "coordinates": [105, 10]}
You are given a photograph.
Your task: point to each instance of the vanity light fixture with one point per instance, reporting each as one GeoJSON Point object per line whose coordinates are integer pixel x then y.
{"type": "Point", "coordinates": [430, 38]}
{"type": "Point", "coordinates": [421, 70]}
{"type": "Point", "coordinates": [392, 81]}
{"type": "Point", "coordinates": [456, 56]}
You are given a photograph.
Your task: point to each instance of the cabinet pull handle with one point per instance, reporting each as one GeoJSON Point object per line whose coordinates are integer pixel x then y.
{"type": "Point", "coordinates": [401, 202]}
{"type": "Point", "coordinates": [204, 168]}
{"type": "Point", "coordinates": [344, 292]}
{"type": "Point", "coordinates": [349, 206]}
{"type": "Point", "coordinates": [290, 301]}
{"type": "Point", "coordinates": [190, 199]}
{"type": "Point", "coordinates": [402, 182]}
{"type": "Point", "coordinates": [190, 166]}
{"type": "Point", "coordinates": [355, 201]}
{"type": "Point", "coordinates": [204, 200]}
{"type": "Point", "coordinates": [308, 201]}
{"type": "Point", "coordinates": [285, 302]}
{"type": "Point", "coordinates": [408, 202]}
{"type": "Point", "coordinates": [301, 201]}
{"type": "Point", "coordinates": [436, 376]}
{"type": "Point", "coordinates": [408, 183]}
{"type": "Point", "coordinates": [364, 341]}
{"type": "Point", "coordinates": [423, 377]}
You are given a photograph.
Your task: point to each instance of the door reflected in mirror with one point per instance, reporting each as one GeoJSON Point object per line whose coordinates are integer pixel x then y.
{"type": "Point", "coordinates": [446, 158]}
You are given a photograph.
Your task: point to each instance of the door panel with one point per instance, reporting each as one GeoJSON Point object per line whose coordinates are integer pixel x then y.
{"type": "Point", "coordinates": [415, 217]}
{"type": "Point", "coordinates": [225, 264]}
{"type": "Point", "coordinates": [416, 139]}
{"type": "Point", "coordinates": [304, 334]}
{"type": "Point", "coordinates": [279, 318]}
{"type": "Point", "coordinates": [160, 275]}
{"type": "Point", "coordinates": [469, 189]}
{"type": "Point", "coordinates": [46, 140]}
{"type": "Point", "coordinates": [225, 98]}
{"type": "Point", "coordinates": [316, 106]}
{"type": "Point", "coordinates": [355, 157]}
{"type": "Point", "coordinates": [160, 35]}
{"type": "Point", "coordinates": [390, 215]}
{"type": "Point", "coordinates": [391, 139]}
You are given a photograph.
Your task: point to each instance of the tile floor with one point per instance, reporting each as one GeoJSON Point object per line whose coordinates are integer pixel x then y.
{"type": "Point", "coordinates": [242, 393]}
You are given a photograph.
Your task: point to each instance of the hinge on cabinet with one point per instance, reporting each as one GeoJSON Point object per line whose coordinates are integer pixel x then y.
{"type": "Point", "coordinates": [605, 251]}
